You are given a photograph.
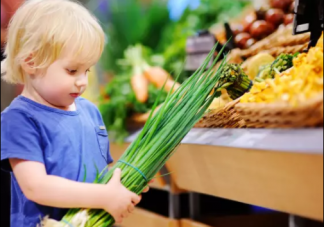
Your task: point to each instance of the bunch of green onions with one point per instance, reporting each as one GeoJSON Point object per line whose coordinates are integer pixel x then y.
{"type": "Point", "coordinates": [159, 138]}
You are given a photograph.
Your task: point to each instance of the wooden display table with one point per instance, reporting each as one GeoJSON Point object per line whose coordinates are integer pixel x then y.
{"type": "Point", "coordinates": [189, 223]}
{"type": "Point", "coordinates": [253, 220]}
{"type": "Point", "coordinates": [276, 169]}
{"type": "Point", "coordinates": [142, 218]}
{"type": "Point", "coordinates": [289, 181]}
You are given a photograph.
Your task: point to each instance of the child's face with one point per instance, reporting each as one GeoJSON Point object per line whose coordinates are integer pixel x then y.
{"type": "Point", "coordinates": [62, 82]}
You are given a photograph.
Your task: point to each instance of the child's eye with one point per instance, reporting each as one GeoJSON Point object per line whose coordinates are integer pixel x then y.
{"type": "Point", "coordinates": [71, 71]}
{"type": "Point", "coordinates": [88, 70]}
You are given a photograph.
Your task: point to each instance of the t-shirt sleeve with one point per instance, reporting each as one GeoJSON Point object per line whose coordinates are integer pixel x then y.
{"type": "Point", "coordinates": [20, 138]}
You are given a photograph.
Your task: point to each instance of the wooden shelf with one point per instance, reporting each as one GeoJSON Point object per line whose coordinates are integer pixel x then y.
{"type": "Point", "coordinates": [252, 220]}
{"type": "Point", "coordinates": [189, 223]}
{"type": "Point", "coordinates": [288, 140]}
{"type": "Point", "coordinates": [143, 218]}
{"type": "Point", "coordinates": [276, 169]}
{"type": "Point", "coordinates": [282, 181]}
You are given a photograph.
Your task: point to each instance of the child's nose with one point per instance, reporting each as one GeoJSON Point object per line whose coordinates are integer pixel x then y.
{"type": "Point", "coordinates": [82, 81]}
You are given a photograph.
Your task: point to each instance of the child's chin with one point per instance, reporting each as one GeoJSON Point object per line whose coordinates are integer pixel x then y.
{"type": "Point", "coordinates": [64, 105]}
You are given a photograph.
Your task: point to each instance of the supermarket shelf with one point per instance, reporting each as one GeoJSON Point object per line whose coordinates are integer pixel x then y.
{"type": "Point", "coordinates": [290, 140]}
{"type": "Point", "coordinates": [145, 218]}
{"type": "Point", "coordinates": [282, 181]}
{"type": "Point", "coordinates": [277, 169]}
{"type": "Point", "coordinates": [189, 223]}
{"type": "Point", "coordinates": [250, 220]}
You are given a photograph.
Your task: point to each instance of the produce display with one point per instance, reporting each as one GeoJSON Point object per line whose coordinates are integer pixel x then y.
{"type": "Point", "coordinates": [293, 98]}
{"type": "Point", "coordinates": [282, 41]}
{"type": "Point", "coordinates": [257, 63]}
{"type": "Point", "coordinates": [256, 69]}
{"type": "Point", "coordinates": [296, 86]}
{"type": "Point", "coordinates": [264, 48]}
{"type": "Point", "coordinates": [264, 66]}
{"type": "Point", "coordinates": [129, 94]}
{"type": "Point", "coordinates": [262, 22]}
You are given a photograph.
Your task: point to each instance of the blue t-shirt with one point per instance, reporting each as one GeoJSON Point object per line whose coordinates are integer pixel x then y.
{"type": "Point", "coordinates": [68, 143]}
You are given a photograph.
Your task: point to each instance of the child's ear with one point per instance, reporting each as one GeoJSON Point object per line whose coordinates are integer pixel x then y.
{"type": "Point", "coordinates": [28, 66]}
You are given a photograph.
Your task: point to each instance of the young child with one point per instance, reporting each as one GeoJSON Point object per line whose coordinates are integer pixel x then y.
{"type": "Point", "coordinates": [50, 136]}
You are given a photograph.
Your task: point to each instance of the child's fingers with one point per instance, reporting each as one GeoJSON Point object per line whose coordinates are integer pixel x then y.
{"type": "Point", "coordinates": [140, 196]}
{"type": "Point", "coordinates": [136, 199]}
{"type": "Point", "coordinates": [131, 208]}
{"type": "Point", "coordinates": [125, 214]}
{"type": "Point", "coordinates": [118, 219]}
{"type": "Point", "coordinates": [146, 190]}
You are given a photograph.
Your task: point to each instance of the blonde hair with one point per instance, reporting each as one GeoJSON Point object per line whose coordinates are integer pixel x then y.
{"type": "Point", "coordinates": [41, 29]}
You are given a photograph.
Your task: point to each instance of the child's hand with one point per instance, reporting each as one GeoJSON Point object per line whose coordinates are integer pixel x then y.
{"type": "Point", "coordinates": [120, 202]}
{"type": "Point", "coordinates": [148, 188]}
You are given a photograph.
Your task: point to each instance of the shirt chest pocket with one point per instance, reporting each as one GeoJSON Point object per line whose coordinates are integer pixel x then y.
{"type": "Point", "coordinates": [103, 141]}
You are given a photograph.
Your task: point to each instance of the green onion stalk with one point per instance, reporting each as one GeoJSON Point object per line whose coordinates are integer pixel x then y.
{"type": "Point", "coordinates": [159, 139]}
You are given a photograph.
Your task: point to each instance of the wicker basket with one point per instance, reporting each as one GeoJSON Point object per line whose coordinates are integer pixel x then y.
{"type": "Point", "coordinates": [309, 114]}
{"type": "Point", "coordinates": [253, 115]}
{"type": "Point", "coordinates": [225, 117]}
{"type": "Point", "coordinates": [276, 51]}
{"type": "Point", "coordinates": [280, 39]}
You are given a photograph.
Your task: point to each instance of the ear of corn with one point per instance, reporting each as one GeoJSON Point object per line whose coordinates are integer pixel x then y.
{"type": "Point", "coordinates": [161, 135]}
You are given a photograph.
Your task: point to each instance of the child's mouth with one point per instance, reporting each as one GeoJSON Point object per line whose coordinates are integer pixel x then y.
{"type": "Point", "coordinates": [75, 95]}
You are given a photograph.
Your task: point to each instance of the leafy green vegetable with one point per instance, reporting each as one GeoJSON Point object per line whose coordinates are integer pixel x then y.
{"type": "Point", "coordinates": [132, 22]}
{"type": "Point", "coordinates": [234, 79]}
{"type": "Point", "coordinates": [281, 64]}
{"type": "Point", "coordinates": [121, 104]}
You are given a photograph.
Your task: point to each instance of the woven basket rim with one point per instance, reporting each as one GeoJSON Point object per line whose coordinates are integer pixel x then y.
{"type": "Point", "coordinates": [310, 102]}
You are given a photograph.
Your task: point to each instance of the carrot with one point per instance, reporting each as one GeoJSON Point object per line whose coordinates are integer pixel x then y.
{"type": "Point", "coordinates": [169, 84]}
{"type": "Point", "coordinates": [143, 117]}
{"type": "Point", "coordinates": [140, 87]}
{"type": "Point", "coordinates": [139, 84]}
{"type": "Point", "coordinates": [158, 76]}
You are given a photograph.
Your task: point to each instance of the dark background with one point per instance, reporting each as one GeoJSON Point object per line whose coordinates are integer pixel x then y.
{"type": "Point", "coordinates": [7, 94]}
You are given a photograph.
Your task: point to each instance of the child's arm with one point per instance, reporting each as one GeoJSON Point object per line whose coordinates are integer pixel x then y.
{"type": "Point", "coordinates": [59, 192]}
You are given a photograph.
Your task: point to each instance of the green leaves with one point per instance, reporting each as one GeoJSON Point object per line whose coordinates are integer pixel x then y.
{"type": "Point", "coordinates": [132, 22]}
{"type": "Point", "coordinates": [122, 103]}
{"type": "Point", "coordinates": [281, 64]}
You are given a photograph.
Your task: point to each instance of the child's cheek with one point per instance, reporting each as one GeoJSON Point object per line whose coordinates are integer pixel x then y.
{"type": "Point", "coordinates": [58, 88]}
